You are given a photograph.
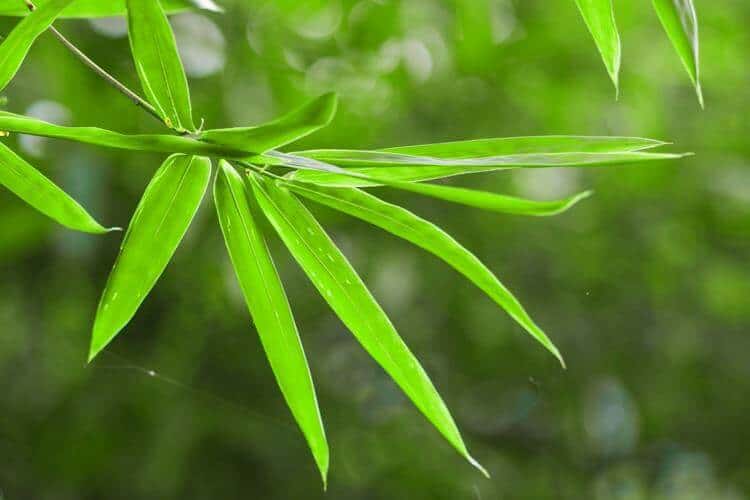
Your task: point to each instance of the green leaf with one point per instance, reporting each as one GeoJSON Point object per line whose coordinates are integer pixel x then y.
{"type": "Point", "coordinates": [681, 24]}
{"type": "Point", "coordinates": [16, 45]}
{"type": "Point", "coordinates": [303, 121]}
{"type": "Point", "coordinates": [269, 307]}
{"type": "Point", "coordinates": [599, 16]}
{"type": "Point", "coordinates": [10, 122]}
{"type": "Point", "coordinates": [158, 63]}
{"type": "Point", "coordinates": [158, 225]}
{"type": "Point", "coordinates": [348, 296]}
{"type": "Point", "coordinates": [426, 235]}
{"type": "Point", "coordinates": [31, 186]}
{"type": "Point", "coordinates": [403, 174]}
{"type": "Point", "coordinates": [104, 8]}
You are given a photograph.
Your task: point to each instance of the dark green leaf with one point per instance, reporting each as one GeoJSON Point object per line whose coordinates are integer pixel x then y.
{"type": "Point", "coordinates": [599, 16]}
{"type": "Point", "coordinates": [31, 186]}
{"type": "Point", "coordinates": [158, 63]}
{"type": "Point", "coordinates": [104, 8]}
{"type": "Point", "coordinates": [158, 225]}
{"type": "Point", "coordinates": [269, 307]}
{"type": "Point", "coordinates": [348, 296]}
{"type": "Point", "coordinates": [426, 235]}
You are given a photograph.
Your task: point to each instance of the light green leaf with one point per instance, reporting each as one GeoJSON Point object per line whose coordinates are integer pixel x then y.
{"type": "Point", "coordinates": [599, 16]}
{"type": "Point", "coordinates": [269, 307]}
{"type": "Point", "coordinates": [426, 235]}
{"type": "Point", "coordinates": [104, 8]}
{"type": "Point", "coordinates": [158, 63]}
{"type": "Point", "coordinates": [31, 186]}
{"type": "Point", "coordinates": [158, 225]}
{"type": "Point", "coordinates": [303, 121]}
{"type": "Point", "coordinates": [681, 24]}
{"type": "Point", "coordinates": [343, 289]}
{"type": "Point", "coordinates": [10, 122]}
{"type": "Point", "coordinates": [403, 174]}
{"type": "Point", "coordinates": [16, 45]}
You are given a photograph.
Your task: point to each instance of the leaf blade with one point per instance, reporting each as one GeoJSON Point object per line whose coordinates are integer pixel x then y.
{"type": "Point", "coordinates": [269, 307]}
{"type": "Point", "coordinates": [161, 219]}
{"type": "Point", "coordinates": [599, 16]}
{"type": "Point", "coordinates": [105, 8]}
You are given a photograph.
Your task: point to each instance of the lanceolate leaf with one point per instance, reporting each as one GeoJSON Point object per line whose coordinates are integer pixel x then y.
{"type": "Point", "coordinates": [158, 225]}
{"type": "Point", "coordinates": [426, 235]}
{"type": "Point", "coordinates": [599, 16]}
{"type": "Point", "coordinates": [303, 121]}
{"type": "Point", "coordinates": [31, 186]}
{"type": "Point", "coordinates": [10, 122]}
{"type": "Point", "coordinates": [403, 174]}
{"type": "Point", "coordinates": [16, 45]}
{"type": "Point", "coordinates": [269, 307]}
{"type": "Point", "coordinates": [681, 24]}
{"type": "Point", "coordinates": [158, 63]}
{"type": "Point", "coordinates": [103, 8]}
{"type": "Point", "coordinates": [348, 296]}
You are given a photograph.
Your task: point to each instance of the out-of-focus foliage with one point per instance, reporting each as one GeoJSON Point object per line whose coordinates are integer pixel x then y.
{"type": "Point", "coordinates": [646, 284]}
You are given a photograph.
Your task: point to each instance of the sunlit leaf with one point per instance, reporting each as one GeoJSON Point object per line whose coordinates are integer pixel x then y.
{"type": "Point", "coordinates": [104, 8]}
{"type": "Point", "coordinates": [426, 235]}
{"type": "Point", "coordinates": [303, 121]}
{"type": "Point", "coordinates": [681, 24]}
{"type": "Point", "coordinates": [599, 16]}
{"type": "Point", "coordinates": [269, 307]}
{"type": "Point", "coordinates": [158, 225]}
{"type": "Point", "coordinates": [342, 288]}
{"type": "Point", "coordinates": [158, 63]}
{"type": "Point", "coordinates": [31, 186]}
{"type": "Point", "coordinates": [16, 45]}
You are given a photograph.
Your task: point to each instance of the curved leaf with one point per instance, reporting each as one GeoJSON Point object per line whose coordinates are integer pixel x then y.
{"type": "Point", "coordinates": [343, 289]}
{"type": "Point", "coordinates": [158, 225]}
{"type": "Point", "coordinates": [681, 24]}
{"type": "Point", "coordinates": [104, 8]}
{"type": "Point", "coordinates": [599, 16]}
{"type": "Point", "coordinates": [158, 63]}
{"type": "Point", "coordinates": [426, 235]}
{"type": "Point", "coordinates": [269, 307]}
{"type": "Point", "coordinates": [303, 121]}
{"type": "Point", "coordinates": [16, 45]}
{"type": "Point", "coordinates": [31, 186]}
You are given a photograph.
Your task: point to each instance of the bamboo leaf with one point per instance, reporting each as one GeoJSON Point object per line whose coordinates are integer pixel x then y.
{"type": "Point", "coordinates": [158, 63]}
{"type": "Point", "coordinates": [104, 8]}
{"type": "Point", "coordinates": [269, 307]}
{"type": "Point", "coordinates": [16, 45]}
{"type": "Point", "coordinates": [426, 235]}
{"type": "Point", "coordinates": [158, 225]}
{"type": "Point", "coordinates": [31, 186]}
{"type": "Point", "coordinates": [681, 24]}
{"type": "Point", "coordinates": [599, 16]}
{"type": "Point", "coordinates": [303, 121]}
{"type": "Point", "coordinates": [348, 296]}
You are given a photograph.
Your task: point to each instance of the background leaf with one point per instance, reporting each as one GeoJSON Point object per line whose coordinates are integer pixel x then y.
{"type": "Point", "coordinates": [599, 16]}
{"type": "Point", "coordinates": [104, 8]}
{"type": "Point", "coordinates": [158, 225]}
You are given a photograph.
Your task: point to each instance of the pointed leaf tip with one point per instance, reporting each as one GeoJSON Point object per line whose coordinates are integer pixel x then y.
{"type": "Point", "coordinates": [478, 466]}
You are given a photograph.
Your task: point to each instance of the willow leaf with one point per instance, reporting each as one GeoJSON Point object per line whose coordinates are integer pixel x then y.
{"type": "Point", "coordinates": [343, 289]}
{"type": "Point", "coordinates": [158, 63]}
{"type": "Point", "coordinates": [269, 307]}
{"type": "Point", "coordinates": [16, 45]}
{"type": "Point", "coordinates": [104, 8]}
{"type": "Point", "coordinates": [681, 24]}
{"type": "Point", "coordinates": [31, 186]}
{"type": "Point", "coordinates": [158, 225]}
{"type": "Point", "coordinates": [428, 236]}
{"type": "Point", "coordinates": [599, 16]}
{"type": "Point", "coordinates": [295, 125]}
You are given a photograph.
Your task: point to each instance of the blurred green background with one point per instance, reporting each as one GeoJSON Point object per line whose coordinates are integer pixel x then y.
{"type": "Point", "coordinates": [645, 287]}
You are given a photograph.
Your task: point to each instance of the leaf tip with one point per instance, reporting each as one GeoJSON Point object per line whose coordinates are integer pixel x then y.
{"type": "Point", "coordinates": [478, 466]}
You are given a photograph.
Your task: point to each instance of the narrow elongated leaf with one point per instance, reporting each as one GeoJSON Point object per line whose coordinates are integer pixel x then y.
{"type": "Point", "coordinates": [158, 225]}
{"type": "Point", "coordinates": [158, 63]}
{"type": "Point", "coordinates": [31, 186]}
{"type": "Point", "coordinates": [348, 296]}
{"type": "Point", "coordinates": [426, 235]}
{"type": "Point", "coordinates": [269, 307]}
{"type": "Point", "coordinates": [681, 24]}
{"type": "Point", "coordinates": [303, 121]}
{"type": "Point", "coordinates": [403, 174]}
{"type": "Point", "coordinates": [16, 45]}
{"type": "Point", "coordinates": [10, 122]}
{"type": "Point", "coordinates": [599, 16]}
{"type": "Point", "coordinates": [104, 8]}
